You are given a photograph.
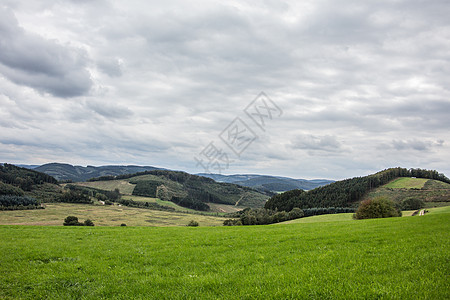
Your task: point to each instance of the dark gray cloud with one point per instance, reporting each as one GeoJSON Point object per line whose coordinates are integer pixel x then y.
{"type": "Point", "coordinates": [314, 143]}
{"type": "Point", "coordinates": [416, 144]}
{"type": "Point", "coordinates": [43, 64]}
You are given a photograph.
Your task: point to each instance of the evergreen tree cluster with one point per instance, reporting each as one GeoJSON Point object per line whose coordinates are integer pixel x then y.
{"type": "Point", "coordinates": [146, 188]}
{"type": "Point", "coordinates": [9, 189]}
{"type": "Point", "coordinates": [190, 202]}
{"type": "Point", "coordinates": [345, 193]}
{"type": "Point", "coordinates": [13, 202]}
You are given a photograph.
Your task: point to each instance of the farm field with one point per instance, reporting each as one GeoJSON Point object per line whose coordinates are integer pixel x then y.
{"type": "Point", "coordinates": [395, 258]}
{"type": "Point", "coordinates": [158, 201]}
{"type": "Point", "coordinates": [124, 186]}
{"type": "Point", "coordinates": [407, 183]}
{"type": "Point", "coordinates": [104, 215]}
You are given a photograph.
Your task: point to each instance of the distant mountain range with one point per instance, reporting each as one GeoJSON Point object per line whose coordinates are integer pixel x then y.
{"type": "Point", "coordinates": [67, 172]}
{"type": "Point", "coordinates": [271, 183]}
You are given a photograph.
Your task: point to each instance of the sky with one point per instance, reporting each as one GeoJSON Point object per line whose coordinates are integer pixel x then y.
{"type": "Point", "coordinates": [303, 89]}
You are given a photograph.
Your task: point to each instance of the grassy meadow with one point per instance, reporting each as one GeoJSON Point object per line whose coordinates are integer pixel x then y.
{"type": "Point", "coordinates": [104, 215]}
{"type": "Point", "coordinates": [124, 186]}
{"type": "Point", "coordinates": [407, 183]}
{"type": "Point", "coordinates": [395, 258]}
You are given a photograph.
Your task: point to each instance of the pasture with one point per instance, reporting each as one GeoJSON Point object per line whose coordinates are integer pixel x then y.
{"type": "Point", "coordinates": [407, 183]}
{"type": "Point", "coordinates": [104, 215]}
{"type": "Point", "coordinates": [395, 258]}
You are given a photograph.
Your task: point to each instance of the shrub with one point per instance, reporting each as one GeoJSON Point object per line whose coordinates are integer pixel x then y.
{"type": "Point", "coordinates": [72, 221]}
{"type": "Point", "coordinates": [193, 223]}
{"type": "Point", "coordinates": [380, 207]}
{"type": "Point", "coordinates": [296, 213]}
{"type": "Point", "coordinates": [412, 204]}
{"type": "Point", "coordinates": [230, 222]}
{"type": "Point", "coordinates": [88, 222]}
{"type": "Point", "coordinates": [100, 196]}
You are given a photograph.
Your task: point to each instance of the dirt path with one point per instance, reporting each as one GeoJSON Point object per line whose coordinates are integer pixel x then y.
{"type": "Point", "coordinates": [237, 202]}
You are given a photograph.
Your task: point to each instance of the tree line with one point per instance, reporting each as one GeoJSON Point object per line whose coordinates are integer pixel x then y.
{"type": "Point", "coordinates": [264, 216]}
{"type": "Point", "coordinates": [13, 202]}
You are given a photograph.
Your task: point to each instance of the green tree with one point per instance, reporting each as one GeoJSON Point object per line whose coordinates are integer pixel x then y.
{"type": "Point", "coordinates": [193, 223]}
{"type": "Point", "coordinates": [296, 213]}
{"type": "Point", "coordinates": [412, 204]}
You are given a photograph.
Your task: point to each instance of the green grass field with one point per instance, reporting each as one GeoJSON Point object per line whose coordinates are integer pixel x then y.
{"type": "Point", "coordinates": [396, 258]}
{"type": "Point", "coordinates": [407, 183]}
{"type": "Point", "coordinates": [124, 186]}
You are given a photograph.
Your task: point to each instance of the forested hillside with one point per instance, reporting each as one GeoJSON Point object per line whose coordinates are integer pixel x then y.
{"type": "Point", "coordinates": [190, 191]}
{"type": "Point", "coordinates": [345, 193]}
{"type": "Point", "coordinates": [21, 188]}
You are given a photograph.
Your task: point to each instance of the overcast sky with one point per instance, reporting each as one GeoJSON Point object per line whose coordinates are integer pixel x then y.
{"type": "Point", "coordinates": [351, 87]}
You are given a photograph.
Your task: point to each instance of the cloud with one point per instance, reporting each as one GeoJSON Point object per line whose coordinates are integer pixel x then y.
{"type": "Point", "coordinates": [314, 143]}
{"type": "Point", "coordinates": [109, 110]}
{"type": "Point", "coordinates": [28, 59]}
{"type": "Point", "coordinates": [417, 145]}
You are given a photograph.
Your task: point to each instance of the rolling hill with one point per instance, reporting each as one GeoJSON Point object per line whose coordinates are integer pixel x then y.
{"type": "Point", "coordinates": [349, 192]}
{"type": "Point", "coordinates": [190, 191]}
{"type": "Point", "coordinates": [431, 192]}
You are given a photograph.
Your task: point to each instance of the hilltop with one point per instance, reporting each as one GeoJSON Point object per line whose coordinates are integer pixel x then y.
{"type": "Point", "coordinates": [431, 192]}
{"type": "Point", "coordinates": [67, 172]}
{"type": "Point", "coordinates": [349, 192]}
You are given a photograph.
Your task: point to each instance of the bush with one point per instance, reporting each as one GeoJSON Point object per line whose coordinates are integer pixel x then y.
{"type": "Point", "coordinates": [72, 221]}
{"type": "Point", "coordinates": [296, 213]}
{"type": "Point", "coordinates": [88, 222]}
{"type": "Point", "coordinates": [380, 207]}
{"type": "Point", "coordinates": [193, 223]}
{"type": "Point", "coordinates": [412, 204]}
{"type": "Point", "coordinates": [100, 196]}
